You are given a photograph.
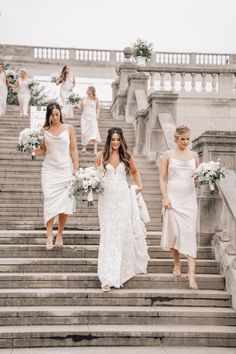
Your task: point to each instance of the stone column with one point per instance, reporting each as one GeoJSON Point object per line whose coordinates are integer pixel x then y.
{"type": "Point", "coordinates": [136, 82]}
{"type": "Point", "coordinates": [160, 103]}
{"type": "Point", "coordinates": [115, 88]}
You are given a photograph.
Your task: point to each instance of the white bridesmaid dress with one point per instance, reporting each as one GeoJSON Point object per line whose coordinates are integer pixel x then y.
{"type": "Point", "coordinates": [23, 96]}
{"type": "Point", "coordinates": [3, 94]}
{"type": "Point", "coordinates": [180, 221]}
{"type": "Point", "coordinates": [56, 174]}
{"type": "Point", "coordinates": [65, 92]}
{"type": "Point", "coordinates": [119, 258]}
{"type": "Point", "coordinates": [89, 124]}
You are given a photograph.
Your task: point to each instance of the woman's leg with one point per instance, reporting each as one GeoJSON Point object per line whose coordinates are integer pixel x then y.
{"type": "Point", "coordinates": [49, 242]}
{"type": "Point", "coordinates": [191, 272]}
{"type": "Point", "coordinates": [61, 226]}
{"type": "Point", "coordinates": [84, 148]}
{"type": "Point", "coordinates": [176, 258]}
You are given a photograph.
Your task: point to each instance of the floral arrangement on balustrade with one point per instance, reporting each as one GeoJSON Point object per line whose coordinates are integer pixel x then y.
{"type": "Point", "coordinates": [87, 181]}
{"type": "Point", "coordinates": [143, 49]}
{"type": "Point", "coordinates": [209, 173]}
{"type": "Point", "coordinates": [73, 99]}
{"type": "Point", "coordinates": [29, 141]}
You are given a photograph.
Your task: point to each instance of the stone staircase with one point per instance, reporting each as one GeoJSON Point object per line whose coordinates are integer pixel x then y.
{"type": "Point", "coordinates": [53, 298]}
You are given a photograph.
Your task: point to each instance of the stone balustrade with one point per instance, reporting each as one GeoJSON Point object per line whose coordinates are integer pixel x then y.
{"type": "Point", "coordinates": [217, 211]}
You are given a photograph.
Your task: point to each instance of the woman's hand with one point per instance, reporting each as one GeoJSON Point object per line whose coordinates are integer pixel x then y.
{"type": "Point", "coordinates": [139, 189]}
{"type": "Point", "coordinates": [166, 203]}
{"type": "Point", "coordinates": [75, 172]}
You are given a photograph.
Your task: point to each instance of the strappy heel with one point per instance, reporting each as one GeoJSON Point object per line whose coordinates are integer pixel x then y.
{"type": "Point", "coordinates": [192, 282]}
{"type": "Point", "coordinates": [49, 243]}
{"type": "Point", "coordinates": [105, 288]}
{"type": "Point", "coordinates": [58, 243]}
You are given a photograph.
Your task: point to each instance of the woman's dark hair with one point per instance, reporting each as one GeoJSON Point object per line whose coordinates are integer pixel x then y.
{"type": "Point", "coordinates": [123, 149]}
{"type": "Point", "coordinates": [50, 108]}
{"type": "Point", "coordinates": [63, 74]}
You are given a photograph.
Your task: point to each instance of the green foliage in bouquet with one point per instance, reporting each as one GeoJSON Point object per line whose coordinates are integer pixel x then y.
{"type": "Point", "coordinates": [143, 49]}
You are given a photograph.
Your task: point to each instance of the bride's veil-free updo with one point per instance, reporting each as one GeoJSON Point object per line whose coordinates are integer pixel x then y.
{"type": "Point", "coordinates": [182, 129]}
{"type": "Point", "coordinates": [123, 149]}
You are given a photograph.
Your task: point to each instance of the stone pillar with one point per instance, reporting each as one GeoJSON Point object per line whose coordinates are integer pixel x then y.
{"type": "Point", "coordinates": [136, 82]}
{"type": "Point", "coordinates": [226, 83]}
{"type": "Point", "coordinates": [213, 145]}
{"type": "Point", "coordinates": [115, 88]}
{"type": "Point", "coordinates": [159, 103]}
{"type": "Point", "coordinates": [140, 132]}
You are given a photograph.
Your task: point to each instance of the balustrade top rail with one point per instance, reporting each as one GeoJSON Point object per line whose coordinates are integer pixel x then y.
{"type": "Point", "coordinates": [113, 57]}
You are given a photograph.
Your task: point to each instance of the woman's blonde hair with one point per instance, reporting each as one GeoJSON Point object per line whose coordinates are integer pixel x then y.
{"type": "Point", "coordinates": [182, 129]}
{"type": "Point", "coordinates": [93, 91]}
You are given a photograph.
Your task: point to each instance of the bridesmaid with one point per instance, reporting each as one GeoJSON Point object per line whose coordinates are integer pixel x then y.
{"type": "Point", "coordinates": [90, 108]}
{"type": "Point", "coordinates": [67, 82]}
{"type": "Point", "coordinates": [22, 84]}
{"type": "Point", "coordinates": [3, 91]}
{"type": "Point", "coordinates": [180, 203]}
{"type": "Point", "coordinates": [59, 166]}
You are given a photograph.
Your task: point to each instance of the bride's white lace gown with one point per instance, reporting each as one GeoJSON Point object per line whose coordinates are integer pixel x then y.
{"type": "Point", "coordinates": [117, 259]}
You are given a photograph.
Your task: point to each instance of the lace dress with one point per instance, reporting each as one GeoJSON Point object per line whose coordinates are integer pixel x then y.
{"type": "Point", "coordinates": [117, 258]}
{"type": "Point", "coordinates": [3, 94]}
{"type": "Point", "coordinates": [89, 125]}
{"type": "Point", "coordinates": [23, 96]}
{"type": "Point", "coordinates": [179, 222]}
{"type": "Point", "coordinates": [56, 174]}
{"type": "Point", "coordinates": [65, 92]}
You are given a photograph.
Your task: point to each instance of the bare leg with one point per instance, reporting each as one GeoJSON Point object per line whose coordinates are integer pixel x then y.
{"type": "Point", "coordinates": [49, 242]}
{"type": "Point", "coordinates": [95, 148]}
{"type": "Point", "coordinates": [191, 272]}
{"type": "Point", "coordinates": [61, 225]}
{"type": "Point", "coordinates": [84, 149]}
{"type": "Point", "coordinates": [176, 258]}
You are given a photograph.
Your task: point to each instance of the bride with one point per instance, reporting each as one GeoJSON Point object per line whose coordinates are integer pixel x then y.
{"type": "Point", "coordinates": [118, 258]}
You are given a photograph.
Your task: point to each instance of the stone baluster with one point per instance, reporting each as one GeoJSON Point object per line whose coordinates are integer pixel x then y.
{"type": "Point", "coordinates": [162, 83]}
{"type": "Point", "coordinates": [193, 82]}
{"type": "Point", "coordinates": [182, 82]}
{"type": "Point", "coordinates": [152, 82]}
{"type": "Point", "coordinates": [203, 82]}
{"type": "Point", "coordinates": [214, 82]}
{"type": "Point", "coordinates": [172, 82]}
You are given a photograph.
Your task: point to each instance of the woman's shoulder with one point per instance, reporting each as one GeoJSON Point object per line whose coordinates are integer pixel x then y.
{"type": "Point", "coordinates": [98, 158]}
{"type": "Point", "coordinates": [167, 154]}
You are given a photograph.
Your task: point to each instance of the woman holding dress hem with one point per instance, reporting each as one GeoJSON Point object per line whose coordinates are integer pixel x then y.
{"type": "Point", "coordinates": [59, 167]}
{"type": "Point", "coordinates": [117, 259]}
{"type": "Point", "coordinates": [180, 203]}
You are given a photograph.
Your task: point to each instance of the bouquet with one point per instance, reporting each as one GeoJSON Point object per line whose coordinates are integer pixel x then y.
{"type": "Point", "coordinates": [29, 140]}
{"type": "Point", "coordinates": [86, 182]}
{"type": "Point", "coordinates": [209, 173]}
{"type": "Point", "coordinates": [11, 76]}
{"type": "Point", "coordinates": [55, 78]}
{"type": "Point", "coordinates": [73, 99]}
{"type": "Point", "coordinates": [32, 83]}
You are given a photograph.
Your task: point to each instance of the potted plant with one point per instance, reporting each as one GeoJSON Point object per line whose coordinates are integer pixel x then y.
{"type": "Point", "coordinates": [142, 51]}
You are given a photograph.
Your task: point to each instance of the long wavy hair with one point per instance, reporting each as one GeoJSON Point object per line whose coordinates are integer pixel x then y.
{"type": "Point", "coordinates": [50, 108]}
{"type": "Point", "coordinates": [92, 91]}
{"type": "Point", "coordinates": [64, 74]}
{"type": "Point", "coordinates": [123, 149]}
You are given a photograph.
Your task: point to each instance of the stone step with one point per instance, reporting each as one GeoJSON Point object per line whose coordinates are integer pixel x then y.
{"type": "Point", "coordinates": [116, 335]}
{"type": "Point", "coordinates": [80, 251]}
{"type": "Point", "coordinates": [115, 315]}
{"type": "Point", "coordinates": [30, 265]}
{"type": "Point", "coordinates": [116, 297]}
{"type": "Point", "coordinates": [90, 280]}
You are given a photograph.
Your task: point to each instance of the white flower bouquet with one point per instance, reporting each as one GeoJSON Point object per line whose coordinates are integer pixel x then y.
{"type": "Point", "coordinates": [29, 141]}
{"type": "Point", "coordinates": [209, 173]}
{"type": "Point", "coordinates": [86, 182]}
{"type": "Point", "coordinates": [73, 99]}
{"type": "Point", "coordinates": [11, 76]}
{"type": "Point", "coordinates": [54, 78]}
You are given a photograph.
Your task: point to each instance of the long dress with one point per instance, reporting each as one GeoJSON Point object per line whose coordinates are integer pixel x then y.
{"type": "Point", "coordinates": [65, 92]}
{"type": "Point", "coordinates": [56, 174]}
{"type": "Point", "coordinates": [179, 222]}
{"type": "Point", "coordinates": [89, 124]}
{"type": "Point", "coordinates": [23, 96]}
{"type": "Point", "coordinates": [3, 94]}
{"type": "Point", "coordinates": [118, 260]}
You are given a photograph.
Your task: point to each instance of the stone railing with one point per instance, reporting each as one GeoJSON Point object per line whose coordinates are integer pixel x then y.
{"type": "Point", "coordinates": [217, 211]}
{"type": "Point", "coordinates": [114, 57]}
